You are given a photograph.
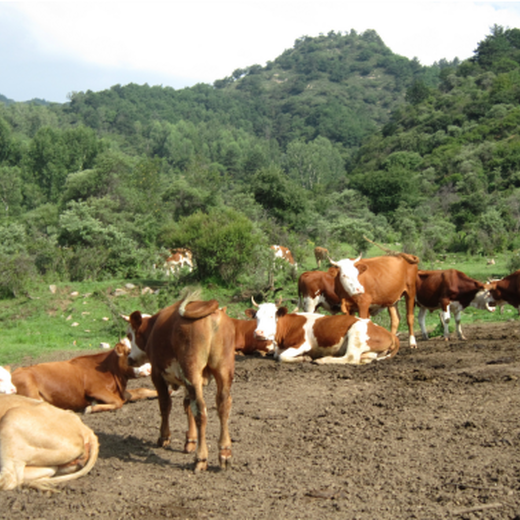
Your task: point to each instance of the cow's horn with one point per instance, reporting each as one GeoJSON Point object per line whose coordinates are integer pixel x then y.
{"type": "Point", "coordinates": [332, 261]}
{"type": "Point", "coordinates": [253, 302]}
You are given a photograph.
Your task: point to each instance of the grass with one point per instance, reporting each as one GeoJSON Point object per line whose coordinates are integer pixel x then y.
{"type": "Point", "coordinates": [79, 316]}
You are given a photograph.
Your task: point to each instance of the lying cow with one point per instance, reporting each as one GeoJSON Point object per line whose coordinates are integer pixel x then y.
{"type": "Point", "coordinates": [245, 340]}
{"type": "Point", "coordinates": [187, 343]}
{"type": "Point", "coordinates": [325, 339]}
{"type": "Point", "coordinates": [75, 384]}
{"type": "Point", "coordinates": [451, 291]}
{"type": "Point", "coordinates": [507, 290]}
{"type": "Point", "coordinates": [316, 289]}
{"type": "Point", "coordinates": [378, 282]}
{"type": "Point", "coordinates": [41, 445]}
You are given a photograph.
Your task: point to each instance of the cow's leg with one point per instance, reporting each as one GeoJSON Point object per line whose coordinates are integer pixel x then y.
{"type": "Point", "coordinates": [394, 318]}
{"type": "Point", "coordinates": [110, 402]}
{"type": "Point", "coordinates": [445, 320]}
{"type": "Point", "coordinates": [457, 309]}
{"type": "Point", "coordinates": [422, 321]}
{"type": "Point", "coordinates": [191, 435]}
{"type": "Point", "coordinates": [198, 408]}
{"type": "Point", "coordinates": [141, 393]}
{"type": "Point", "coordinates": [410, 307]}
{"type": "Point", "coordinates": [224, 379]}
{"type": "Point", "coordinates": [165, 406]}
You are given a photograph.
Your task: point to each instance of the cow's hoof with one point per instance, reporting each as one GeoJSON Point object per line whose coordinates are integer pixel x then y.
{"type": "Point", "coordinates": [190, 446]}
{"type": "Point", "coordinates": [87, 410]}
{"type": "Point", "coordinates": [224, 458]}
{"type": "Point", "coordinates": [201, 465]}
{"type": "Point", "coordinates": [163, 442]}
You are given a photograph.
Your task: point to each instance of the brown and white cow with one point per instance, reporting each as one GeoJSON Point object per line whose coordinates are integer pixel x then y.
{"type": "Point", "coordinates": [326, 339]}
{"type": "Point", "coordinates": [451, 291]}
{"type": "Point", "coordinates": [179, 258]}
{"type": "Point", "coordinates": [507, 290]}
{"type": "Point", "coordinates": [41, 445]}
{"type": "Point", "coordinates": [245, 340]}
{"type": "Point", "coordinates": [378, 282]}
{"type": "Point", "coordinates": [75, 384]}
{"type": "Point", "coordinates": [320, 254]}
{"type": "Point", "coordinates": [187, 343]}
{"type": "Point", "coordinates": [6, 384]}
{"type": "Point", "coordinates": [316, 289]}
{"type": "Point", "coordinates": [284, 253]}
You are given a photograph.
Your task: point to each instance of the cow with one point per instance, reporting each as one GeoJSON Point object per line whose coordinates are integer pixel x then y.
{"type": "Point", "coordinates": [6, 384]}
{"type": "Point", "coordinates": [338, 339]}
{"type": "Point", "coordinates": [245, 340]}
{"type": "Point", "coordinates": [179, 258]}
{"type": "Point", "coordinates": [187, 343]}
{"type": "Point", "coordinates": [90, 383]}
{"type": "Point", "coordinates": [378, 282]}
{"type": "Point", "coordinates": [507, 290]}
{"type": "Point", "coordinates": [316, 289]}
{"type": "Point", "coordinates": [41, 445]}
{"type": "Point", "coordinates": [451, 291]}
{"type": "Point", "coordinates": [284, 253]}
{"type": "Point", "coordinates": [321, 254]}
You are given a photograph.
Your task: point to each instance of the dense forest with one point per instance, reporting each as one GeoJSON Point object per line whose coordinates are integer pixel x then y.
{"type": "Point", "coordinates": [335, 139]}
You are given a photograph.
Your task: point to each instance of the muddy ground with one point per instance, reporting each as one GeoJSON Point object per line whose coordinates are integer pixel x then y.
{"type": "Point", "coordinates": [432, 433]}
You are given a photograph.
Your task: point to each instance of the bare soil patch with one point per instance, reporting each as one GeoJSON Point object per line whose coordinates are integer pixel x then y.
{"type": "Point", "coordinates": [432, 433]}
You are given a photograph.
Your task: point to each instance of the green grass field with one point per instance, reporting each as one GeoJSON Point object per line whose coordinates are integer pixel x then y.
{"type": "Point", "coordinates": [79, 316]}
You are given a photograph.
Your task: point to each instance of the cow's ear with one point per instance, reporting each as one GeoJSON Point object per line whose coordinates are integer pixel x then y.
{"type": "Point", "coordinates": [361, 268]}
{"type": "Point", "coordinates": [333, 271]}
{"type": "Point", "coordinates": [282, 311]}
{"type": "Point", "coordinates": [135, 319]}
{"type": "Point", "coordinates": [120, 348]}
{"type": "Point", "coordinates": [8, 368]}
{"type": "Point", "coordinates": [250, 313]}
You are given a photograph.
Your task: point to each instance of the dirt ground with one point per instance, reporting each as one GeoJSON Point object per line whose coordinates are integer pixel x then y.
{"type": "Point", "coordinates": [432, 433]}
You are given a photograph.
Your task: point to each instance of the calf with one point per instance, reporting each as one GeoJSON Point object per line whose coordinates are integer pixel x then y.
{"type": "Point", "coordinates": [320, 254]}
{"type": "Point", "coordinates": [507, 290]}
{"type": "Point", "coordinates": [325, 339]}
{"type": "Point", "coordinates": [449, 290]}
{"type": "Point", "coordinates": [378, 282]}
{"type": "Point", "coordinates": [316, 289]}
{"type": "Point", "coordinates": [75, 384]}
{"type": "Point", "coordinates": [187, 343]}
{"type": "Point", "coordinates": [41, 445]}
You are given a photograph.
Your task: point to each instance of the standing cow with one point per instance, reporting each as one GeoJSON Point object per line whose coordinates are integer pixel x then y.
{"type": "Point", "coordinates": [337, 339]}
{"type": "Point", "coordinates": [321, 255]}
{"type": "Point", "coordinates": [179, 258]}
{"type": "Point", "coordinates": [316, 289]}
{"type": "Point", "coordinates": [507, 290]}
{"type": "Point", "coordinates": [379, 282]}
{"type": "Point", "coordinates": [187, 343]}
{"type": "Point", "coordinates": [449, 290]}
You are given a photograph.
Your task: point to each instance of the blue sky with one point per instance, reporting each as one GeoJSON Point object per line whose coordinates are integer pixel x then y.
{"type": "Point", "coordinates": [50, 49]}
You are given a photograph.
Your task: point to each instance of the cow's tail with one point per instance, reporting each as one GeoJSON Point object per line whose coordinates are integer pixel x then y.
{"type": "Point", "coordinates": [411, 259]}
{"type": "Point", "coordinates": [47, 484]}
{"type": "Point", "coordinates": [194, 309]}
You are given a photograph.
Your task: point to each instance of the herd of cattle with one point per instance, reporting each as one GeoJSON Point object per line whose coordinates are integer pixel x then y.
{"type": "Point", "coordinates": [192, 341]}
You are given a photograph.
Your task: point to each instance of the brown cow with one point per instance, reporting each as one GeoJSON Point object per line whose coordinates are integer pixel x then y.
{"type": "Point", "coordinates": [449, 290]}
{"type": "Point", "coordinates": [179, 258]}
{"type": "Point", "coordinates": [245, 340]}
{"type": "Point", "coordinates": [75, 384]}
{"type": "Point", "coordinates": [316, 289]}
{"type": "Point", "coordinates": [325, 339]}
{"type": "Point", "coordinates": [379, 282]}
{"type": "Point", "coordinates": [321, 254]}
{"type": "Point", "coordinates": [507, 290]}
{"type": "Point", "coordinates": [285, 254]}
{"type": "Point", "coordinates": [187, 343]}
{"type": "Point", "coordinates": [41, 445]}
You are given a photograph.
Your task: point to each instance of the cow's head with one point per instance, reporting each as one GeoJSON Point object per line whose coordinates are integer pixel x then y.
{"type": "Point", "coordinates": [484, 299]}
{"type": "Point", "coordinates": [137, 325]}
{"type": "Point", "coordinates": [349, 273]}
{"type": "Point", "coordinates": [6, 386]}
{"type": "Point", "coordinates": [266, 315]}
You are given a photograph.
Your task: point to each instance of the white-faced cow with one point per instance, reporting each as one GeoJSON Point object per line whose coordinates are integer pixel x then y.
{"type": "Point", "coordinates": [6, 384]}
{"type": "Point", "coordinates": [321, 255]}
{"type": "Point", "coordinates": [91, 383]}
{"type": "Point", "coordinates": [316, 289]}
{"type": "Point", "coordinates": [325, 339]}
{"type": "Point", "coordinates": [451, 291]}
{"type": "Point", "coordinates": [245, 340]}
{"type": "Point", "coordinates": [41, 445]}
{"type": "Point", "coordinates": [507, 290]}
{"type": "Point", "coordinates": [187, 343]}
{"type": "Point", "coordinates": [179, 258]}
{"type": "Point", "coordinates": [378, 282]}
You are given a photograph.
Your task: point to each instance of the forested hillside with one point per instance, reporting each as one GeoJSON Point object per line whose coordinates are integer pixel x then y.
{"type": "Point", "coordinates": [335, 139]}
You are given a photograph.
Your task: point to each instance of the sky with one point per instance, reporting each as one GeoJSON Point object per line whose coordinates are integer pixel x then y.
{"type": "Point", "coordinates": [50, 49]}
